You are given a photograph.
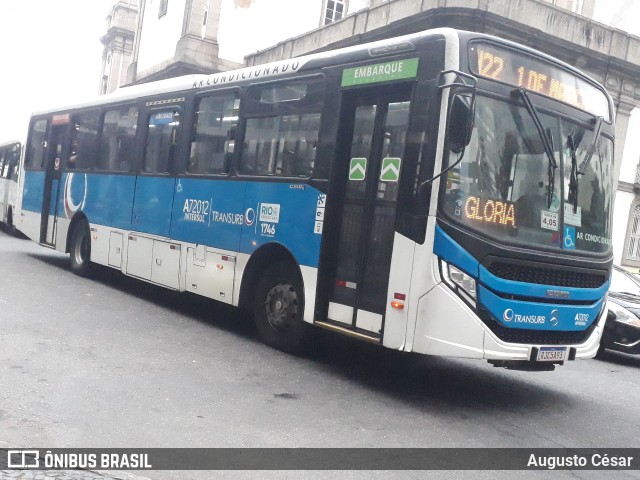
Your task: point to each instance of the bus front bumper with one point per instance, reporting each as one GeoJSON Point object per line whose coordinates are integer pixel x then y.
{"type": "Point", "coordinates": [447, 326]}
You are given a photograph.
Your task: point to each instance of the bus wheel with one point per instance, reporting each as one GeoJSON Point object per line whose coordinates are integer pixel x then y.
{"type": "Point", "coordinates": [11, 228]}
{"type": "Point", "coordinates": [80, 249]}
{"type": "Point", "coordinates": [279, 308]}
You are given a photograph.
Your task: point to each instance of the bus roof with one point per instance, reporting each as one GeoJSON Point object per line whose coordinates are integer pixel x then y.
{"type": "Point", "coordinates": [280, 68]}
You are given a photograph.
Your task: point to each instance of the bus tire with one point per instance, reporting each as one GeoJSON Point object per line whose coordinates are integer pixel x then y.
{"type": "Point", "coordinates": [80, 249]}
{"type": "Point", "coordinates": [11, 228]}
{"type": "Point", "coordinates": [279, 309]}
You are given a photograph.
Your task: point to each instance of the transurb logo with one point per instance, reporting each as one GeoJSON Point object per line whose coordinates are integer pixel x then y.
{"type": "Point", "coordinates": [75, 190]}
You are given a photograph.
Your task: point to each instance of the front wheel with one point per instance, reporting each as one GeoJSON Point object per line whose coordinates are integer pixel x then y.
{"type": "Point", "coordinates": [279, 309]}
{"type": "Point", "coordinates": [80, 250]}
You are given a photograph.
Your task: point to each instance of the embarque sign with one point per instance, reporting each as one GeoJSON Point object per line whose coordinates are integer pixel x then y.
{"type": "Point", "coordinates": [380, 72]}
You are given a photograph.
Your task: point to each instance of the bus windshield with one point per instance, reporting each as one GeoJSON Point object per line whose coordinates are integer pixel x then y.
{"type": "Point", "coordinates": [506, 187]}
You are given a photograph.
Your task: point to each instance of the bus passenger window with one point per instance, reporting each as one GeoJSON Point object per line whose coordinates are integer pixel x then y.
{"type": "Point", "coordinates": [14, 161]}
{"type": "Point", "coordinates": [117, 142]}
{"type": "Point", "coordinates": [215, 122]}
{"type": "Point", "coordinates": [84, 141]}
{"type": "Point", "coordinates": [162, 141]}
{"type": "Point", "coordinates": [282, 146]}
{"type": "Point", "coordinates": [35, 157]}
{"type": "Point", "coordinates": [282, 131]}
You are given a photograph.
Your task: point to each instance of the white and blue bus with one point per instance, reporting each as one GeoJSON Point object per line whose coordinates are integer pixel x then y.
{"type": "Point", "coordinates": [444, 192]}
{"type": "Point", "coordinates": [10, 153]}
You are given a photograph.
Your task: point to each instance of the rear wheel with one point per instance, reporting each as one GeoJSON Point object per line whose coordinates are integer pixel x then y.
{"type": "Point", "coordinates": [80, 249]}
{"type": "Point", "coordinates": [279, 309]}
{"type": "Point", "coordinates": [11, 228]}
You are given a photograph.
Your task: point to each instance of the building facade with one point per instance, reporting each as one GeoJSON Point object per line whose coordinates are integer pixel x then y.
{"type": "Point", "coordinates": [118, 44]}
{"type": "Point", "coordinates": [155, 39]}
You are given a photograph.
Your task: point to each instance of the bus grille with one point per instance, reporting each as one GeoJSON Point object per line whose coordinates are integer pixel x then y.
{"type": "Point", "coordinates": [536, 337]}
{"type": "Point", "coordinates": [551, 275]}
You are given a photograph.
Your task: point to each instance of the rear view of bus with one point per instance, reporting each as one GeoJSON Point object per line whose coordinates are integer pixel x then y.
{"type": "Point", "coordinates": [523, 230]}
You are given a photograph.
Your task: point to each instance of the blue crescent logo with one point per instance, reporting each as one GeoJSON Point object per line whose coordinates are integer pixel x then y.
{"type": "Point", "coordinates": [71, 188]}
{"type": "Point", "coordinates": [249, 216]}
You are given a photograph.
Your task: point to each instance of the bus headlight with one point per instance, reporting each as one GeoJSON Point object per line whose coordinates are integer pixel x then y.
{"type": "Point", "coordinates": [460, 282]}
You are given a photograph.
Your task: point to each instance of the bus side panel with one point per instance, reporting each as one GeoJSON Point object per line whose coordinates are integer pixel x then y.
{"type": "Point", "coordinates": [152, 205]}
{"type": "Point", "coordinates": [243, 216]}
{"type": "Point", "coordinates": [32, 193]}
{"type": "Point", "coordinates": [289, 214]}
{"type": "Point", "coordinates": [104, 199]}
{"type": "Point", "coordinates": [208, 212]}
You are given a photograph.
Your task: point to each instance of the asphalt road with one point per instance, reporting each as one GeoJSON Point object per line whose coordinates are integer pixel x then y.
{"type": "Point", "coordinates": [114, 362]}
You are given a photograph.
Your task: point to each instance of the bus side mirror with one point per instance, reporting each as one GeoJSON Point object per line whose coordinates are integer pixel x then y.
{"type": "Point", "coordinates": [461, 117]}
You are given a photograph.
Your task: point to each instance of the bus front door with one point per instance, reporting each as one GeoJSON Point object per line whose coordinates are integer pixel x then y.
{"type": "Point", "coordinates": [375, 121]}
{"type": "Point", "coordinates": [53, 171]}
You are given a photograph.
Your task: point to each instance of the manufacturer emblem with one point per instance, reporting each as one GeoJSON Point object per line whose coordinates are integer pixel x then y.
{"type": "Point", "coordinates": [557, 294]}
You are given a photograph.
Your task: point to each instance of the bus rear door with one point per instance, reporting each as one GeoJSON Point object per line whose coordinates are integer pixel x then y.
{"type": "Point", "coordinates": [55, 159]}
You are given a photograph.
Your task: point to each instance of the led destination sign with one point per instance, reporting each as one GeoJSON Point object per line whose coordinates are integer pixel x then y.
{"type": "Point", "coordinates": [490, 211]}
{"type": "Point", "coordinates": [537, 75]}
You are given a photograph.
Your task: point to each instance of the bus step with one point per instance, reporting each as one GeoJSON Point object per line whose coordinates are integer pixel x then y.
{"type": "Point", "coordinates": [352, 333]}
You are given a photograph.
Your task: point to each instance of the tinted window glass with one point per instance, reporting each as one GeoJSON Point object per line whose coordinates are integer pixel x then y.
{"type": "Point", "coordinates": [118, 140]}
{"type": "Point", "coordinates": [213, 138]}
{"type": "Point", "coordinates": [36, 147]}
{"type": "Point", "coordinates": [283, 145]}
{"type": "Point", "coordinates": [84, 141]}
{"type": "Point", "coordinates": [162, 141]}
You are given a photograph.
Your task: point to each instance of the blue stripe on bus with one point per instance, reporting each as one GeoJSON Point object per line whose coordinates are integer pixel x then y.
{"type": "Point", "coordinates": [243, 216]}
{"type": "Point", "coordinates": [524, 289]}
{"type": "Point", "coordinates": [230, 215]}
{"type": "Point", "coordinates": [33, 191]}
{"type": "Point", "coordinates": [539, 316]}
{"type": "Point", "coordinates": [451, 252]}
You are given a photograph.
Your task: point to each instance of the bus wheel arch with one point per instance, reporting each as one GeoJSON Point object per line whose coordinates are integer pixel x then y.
{"type": "Point", "coordinates": [79, 245]}
{"type": "Point", "coordinates": [273, 289]}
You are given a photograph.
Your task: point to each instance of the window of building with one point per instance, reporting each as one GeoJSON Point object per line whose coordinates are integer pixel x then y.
{"type": "Point", "coordinates": [632, 250]}
{"type": "Point", "coordinates": [162, 141]}
{"type": "Point", "coordinates": [36, 147]}
{"type": "Point", "coordinates": [334, 11]}
{"type": "Point", "coordinates": [118, 140]}
{"type": "Point", "coordinates": [162, 8]}
{"type": "Point", "coordinates": [213, 139]}
{"type": "Point", "coordinates": [84, 141]}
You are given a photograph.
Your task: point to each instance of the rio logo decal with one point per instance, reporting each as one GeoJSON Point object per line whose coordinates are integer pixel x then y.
{"type": "Point", "coordinates": [74, 191]}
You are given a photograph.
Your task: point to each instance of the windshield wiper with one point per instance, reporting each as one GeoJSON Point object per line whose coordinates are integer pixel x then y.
{"type": "Point", "coordinates": [547, 140]}
{"type": "Point", "coordinates": [592, 148]}
{"type": "Point", "coordinates": [572, 197]}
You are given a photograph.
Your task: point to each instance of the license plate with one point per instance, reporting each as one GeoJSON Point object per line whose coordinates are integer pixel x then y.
{"type": "Point", "coordinates": [552, 354]}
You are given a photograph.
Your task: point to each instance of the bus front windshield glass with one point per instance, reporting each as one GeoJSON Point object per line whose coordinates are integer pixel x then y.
{"type": "Point", "coordinates": [506, 187]}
